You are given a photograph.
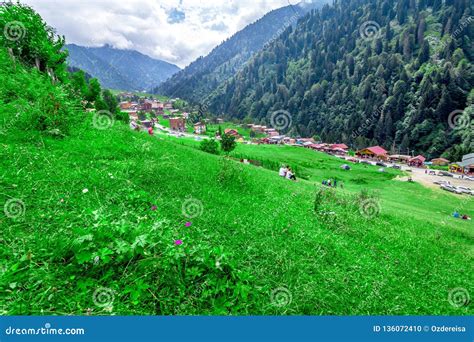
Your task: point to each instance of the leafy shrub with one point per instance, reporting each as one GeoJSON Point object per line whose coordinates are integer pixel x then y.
{"type": "Point", "coordinates": [228, 143]}
{"type": "Point", "coordinates": [122, 116]}
{"type": "Point", "coordinates": [209, 146]}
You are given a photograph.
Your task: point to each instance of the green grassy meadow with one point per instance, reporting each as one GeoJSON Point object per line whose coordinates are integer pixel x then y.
{"type": "Point", "coordinates": [119, 222]}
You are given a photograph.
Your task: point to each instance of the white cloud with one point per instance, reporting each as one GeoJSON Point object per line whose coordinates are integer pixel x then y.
{"type": "Point", "coordinates": [177, 31]}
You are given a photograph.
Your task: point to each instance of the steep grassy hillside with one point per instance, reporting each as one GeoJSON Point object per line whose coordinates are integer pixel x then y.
{"type": "Point", "coordinates": [90, 239]}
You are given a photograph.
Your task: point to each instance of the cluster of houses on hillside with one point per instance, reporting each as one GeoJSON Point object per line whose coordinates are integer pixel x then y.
{"type": "Point", "coordinates": [466, 166]}
{"type": "Point", "coordinates": [144, 109]}
{"type": "Point", "coordinates": [268, 131]}
{"type": "Point", "coordinates": [376, 153]}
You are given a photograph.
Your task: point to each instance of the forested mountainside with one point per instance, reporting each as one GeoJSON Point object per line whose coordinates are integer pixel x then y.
{"type": "Point", "coordinates": [392, 73]}
{"type": "Point", "coordinates": [205, 74]}
{"type": "Point", "coordinates": [120, 69]}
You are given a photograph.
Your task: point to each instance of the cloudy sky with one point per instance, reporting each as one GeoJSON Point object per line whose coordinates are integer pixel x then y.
{"type": "Point", "coordinates": [177, 31]}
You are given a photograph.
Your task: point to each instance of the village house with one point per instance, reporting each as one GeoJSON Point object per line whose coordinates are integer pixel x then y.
{"type": "Point", "coordinates": [271, 132]}
{"type": "Point", "coordinates": [157, 106]}
{"type": "Point", "coordinates": [337, 149]}
{"type": "Point", "coordinates": [146, 106]}
{"type": "Point", "coordinates": [319, 147]}
{"type": "Point", "coordinates": [178, 124]}
{"type": "Point", "coordinates": [440, 162]}
{"type": "Point", "coordinates": [278, 139]}
{"type": "Point", "coordinates": [231, 131]}
{"type": "Point", "coordinates": [374, 152]}
{"type": "Point", "coordinates": [305, 141]}
{"type": "Point", "coordinates": [219, 121]}
{"type": "Point", "coordinates": [417, 161]}
{"type": "Point", "coordinates": [126, 105]}
{"type": "Point", "coordinates": [399, 158]}
{"type": "Point", "coordinates": [200, 128]}
{"type": "Point", "coordinates": [258, 128]}
{"type": "Point", "coordinates": [467, 163]}
{"type": "Point", "coordinates": [289, 141]}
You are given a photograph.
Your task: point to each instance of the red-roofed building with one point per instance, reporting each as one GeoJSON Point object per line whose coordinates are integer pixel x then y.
{"type": "Point", "coordinates": [125, 105]}
{"type": "Point", "coordinates": [375, 152]}
{"type": "Point", "coordinates": [178, 124]}
{"type": "Point", "coordinates": [147, 106]}
{"type": "Point", "coordinates": [417, 161]}
{"type": "Point", "coordinates": [340, 146]}
{"type": "Point", "coordinates": [231, 131]}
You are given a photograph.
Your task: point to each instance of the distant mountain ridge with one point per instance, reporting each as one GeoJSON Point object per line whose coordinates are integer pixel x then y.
{"type": "Point", "coordinates": [120, 69]}
{"type": "Point", "coordinates": [204, 75]}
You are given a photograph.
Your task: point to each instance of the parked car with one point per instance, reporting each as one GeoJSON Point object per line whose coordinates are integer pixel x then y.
{"type": "Point", "coordinates": [394, 166]}
{"type": "Point", "coordinates": [448, 188]}
{"type": "Point", "coordinates": [451, 188]}
{"type": "Point", "coordinates": [469, 178]}
{"type": "Point", "coordinates": [464, 189]}
{"type": "Point", "coordinates": [381, 164]}
{"type": "Point", "coordinates": [365, 162]}
{"type": "Point", "coordinates": [445, 174]}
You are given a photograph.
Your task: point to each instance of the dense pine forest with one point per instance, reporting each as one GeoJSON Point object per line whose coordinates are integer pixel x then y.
{"type": "Point", "coordinates": [392, 73]}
